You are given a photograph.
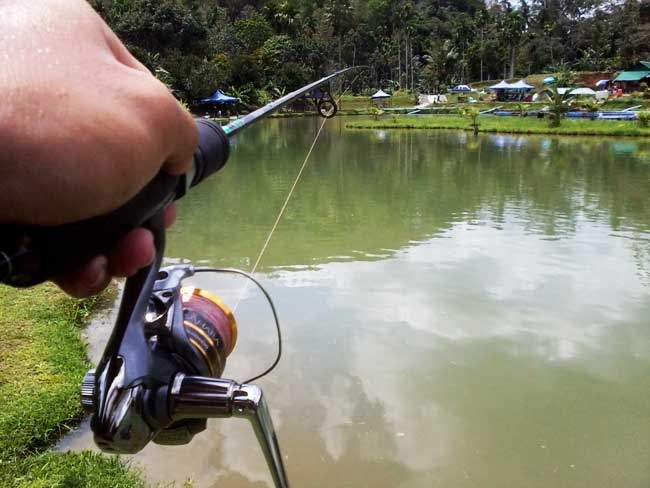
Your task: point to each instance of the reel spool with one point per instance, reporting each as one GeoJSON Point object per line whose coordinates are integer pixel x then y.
{"type": "Point", "coordinates": [210, 326]}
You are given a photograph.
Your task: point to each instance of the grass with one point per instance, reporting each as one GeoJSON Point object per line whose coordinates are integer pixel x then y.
{"type": "Point", "coordinates": [399, 99]}
{"type": "Point", "coordinates": [513, 125]}
{"type": "Point", "coordinates": [42, 362]}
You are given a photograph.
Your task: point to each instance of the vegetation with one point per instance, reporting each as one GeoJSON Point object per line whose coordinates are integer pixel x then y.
{"type": "Point", "coordinates": [644, 119]}
{"type": "Point", "coordinates": [514, 125]}
{"type": "Point", "coordinates": [473, 114]}
{"type": "Point", "coordinates": [256, 48]}
{"type": "Point", "coordinates": [559, 100]}
{"type": "Point", "coordinates": [42, 363]}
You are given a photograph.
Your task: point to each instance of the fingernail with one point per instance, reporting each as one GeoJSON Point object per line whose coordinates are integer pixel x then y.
{"type": "Point", "coordinates": [99, 275]}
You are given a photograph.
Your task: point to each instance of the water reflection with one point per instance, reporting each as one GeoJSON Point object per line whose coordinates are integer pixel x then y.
{"type": "Point", "coordinates": [457, 311]}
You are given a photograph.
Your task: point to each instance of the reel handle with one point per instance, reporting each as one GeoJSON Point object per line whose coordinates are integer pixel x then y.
{"type": "Point", "coordinates": [31, 254]}
{"type": "Point", "coordinates": [201, 397]}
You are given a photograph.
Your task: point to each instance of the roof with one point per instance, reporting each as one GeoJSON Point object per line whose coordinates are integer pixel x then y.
{"type": "Point", "coordinates": [381, 94]}
{"type": "Point", "coordinates": [220, 97]}
{"type": "Point", "coordinates": [521, 85]}
{"type": "Point", "coordinates": [645, 64]}
{"type": "Point", "coordinates": [502, 85]}
{"type": "Point", "coordinates": [602, 82]}
{"type": "Point", "coordinates": [632, 75]}
{"type": "Point", "coordinates": [460, 89]}
{"type": "Point", "coordinates": [583, 91]}
{"type": "Point", "coordinates": [518, 86]}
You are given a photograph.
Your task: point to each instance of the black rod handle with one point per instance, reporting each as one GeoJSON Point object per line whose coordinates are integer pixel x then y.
{"type": "Point", "coordinates": [31, 254]}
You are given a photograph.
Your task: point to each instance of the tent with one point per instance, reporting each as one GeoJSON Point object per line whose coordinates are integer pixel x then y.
{"type": "Point", "coordinates": [220, 97]}
{"type": "Point", "coordinates": [577, 91]}
{"type": "Point", "coordinates": [380, 95]}
{"type": "Point", "coordinates": [549, 80]}
{"type": "Point", "coordinates": [502, 85]}
{"type": "Point", "coordinates": [460, 89]}
{"type": "Point", "coordinates": [583, 91]}
{"type": "Point", "coordinates": [507, 92]}
{"type": "Point", "coordinates": [521, 85]}
{"type": "Point", "coordinates": [602, 83]}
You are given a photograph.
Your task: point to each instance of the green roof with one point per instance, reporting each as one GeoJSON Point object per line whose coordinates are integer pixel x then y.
{"type": "Point", "coordinates": [632, 75]}
{"type": "Point", "coordinates": [645, 63]}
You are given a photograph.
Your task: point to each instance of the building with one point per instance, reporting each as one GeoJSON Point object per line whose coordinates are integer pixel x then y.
{"type": "Point", "coordinates": [630, 80]}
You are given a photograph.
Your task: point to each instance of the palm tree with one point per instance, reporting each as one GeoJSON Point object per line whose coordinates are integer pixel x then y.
{"type": "Point", "coordinates": [559, 99]}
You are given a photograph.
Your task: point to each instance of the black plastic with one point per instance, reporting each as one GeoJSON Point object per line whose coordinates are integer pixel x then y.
{"type": "Point", "coordinates": [213, 150]}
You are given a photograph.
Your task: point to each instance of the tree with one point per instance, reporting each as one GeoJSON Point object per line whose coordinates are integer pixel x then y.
{"type": "Point", "coordinates": [559, 98]}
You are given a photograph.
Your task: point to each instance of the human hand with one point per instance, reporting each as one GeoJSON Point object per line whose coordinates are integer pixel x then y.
{"type": "Point", "coordinates": [83, 127]}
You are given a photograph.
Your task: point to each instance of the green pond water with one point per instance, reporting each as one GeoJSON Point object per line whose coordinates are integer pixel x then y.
{"type": "Point", "coordinates": [457, 311]}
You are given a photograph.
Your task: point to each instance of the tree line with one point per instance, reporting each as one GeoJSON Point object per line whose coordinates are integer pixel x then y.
{"type": "Point", "coordinates": [259, 49]}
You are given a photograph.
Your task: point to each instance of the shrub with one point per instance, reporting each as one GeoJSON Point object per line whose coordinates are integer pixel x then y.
{"type": "Point", "coordinates": [644, 119]}
{"type": "Point", "coordinates": [375, 112]}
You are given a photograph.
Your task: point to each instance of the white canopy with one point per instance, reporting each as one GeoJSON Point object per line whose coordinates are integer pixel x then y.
{"type": "Point", "coordinates": [583, 91]}
{"type": "Point", "coordinates": [380, 94]}
{"type": "Point", "coordinates": [577, 91]}
{"type": "Point", "coordinates": [502, 85]}
{"type": "Point", "coordinates": [521, 85]}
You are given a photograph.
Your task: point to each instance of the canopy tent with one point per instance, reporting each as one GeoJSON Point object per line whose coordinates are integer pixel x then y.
{"type": "Point", "coordinates": [502, 85]}
{"type": "Point", "coordinates": [549, 80]}
{"type": "Point", "coordinates": [460, 89]}
{"type": "Point", "coordinates": [380, 94]}
{"type": "Point", "coordinates": [602, 83]}
{"type": "Point", "coordinates": [521, 85]}
{"type": "Point", "coordinates": [583, 91]}
{"type": "Point", "coordinates": [576, 91]}
{"type": "Point", "coordinates": [511, 92]}
{"type": "Point", "coordinates": [632, 75]}
{"type": "Point", "coordinates": [220, 97]}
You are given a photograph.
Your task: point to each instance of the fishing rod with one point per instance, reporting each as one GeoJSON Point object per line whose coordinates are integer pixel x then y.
{"type": "Point", "coordinates": [159, 377]}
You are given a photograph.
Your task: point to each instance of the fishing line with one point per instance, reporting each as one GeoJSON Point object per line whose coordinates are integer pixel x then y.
{"type": "Point", "coordinates": [273, 311]}
{"type": "Point", "coordinates": [266, 245]}
{"type": "Point", "coordinates": [286, 201]}
{"type": "Point", "coordinates": [279, 216]}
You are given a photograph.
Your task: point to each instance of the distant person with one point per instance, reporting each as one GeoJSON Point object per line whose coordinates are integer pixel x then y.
{"type": "Point", "coordinates": [83, 127]}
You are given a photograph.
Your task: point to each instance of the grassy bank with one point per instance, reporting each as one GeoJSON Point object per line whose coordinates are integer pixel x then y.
{"type": "Point", "coordinates": [512, 125]}
{"type": "Point", "coordinates": [42, 362]}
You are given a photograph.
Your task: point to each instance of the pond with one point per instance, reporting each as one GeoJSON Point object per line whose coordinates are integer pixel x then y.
{"type": "Point", "coordinates": [457, 311]}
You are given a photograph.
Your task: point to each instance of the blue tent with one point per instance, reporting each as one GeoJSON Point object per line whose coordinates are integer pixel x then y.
{"type": "Point", "coordinates": [220, 97]}
{"type": "Point", "coordinates": [460, 89]}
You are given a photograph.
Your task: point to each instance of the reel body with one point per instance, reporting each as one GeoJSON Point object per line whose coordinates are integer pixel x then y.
{"type": "Point", "coordinates": [160, 376]}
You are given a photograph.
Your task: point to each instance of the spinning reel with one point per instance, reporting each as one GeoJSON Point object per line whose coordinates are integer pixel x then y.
{"type": "Point", "coordinates": [159, 378]}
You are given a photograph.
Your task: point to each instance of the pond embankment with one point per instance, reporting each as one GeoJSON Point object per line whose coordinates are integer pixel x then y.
{"type": "Point", "coordinates": [509, 125]}
{"type": "Point", "coordinates": [42, 362]}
